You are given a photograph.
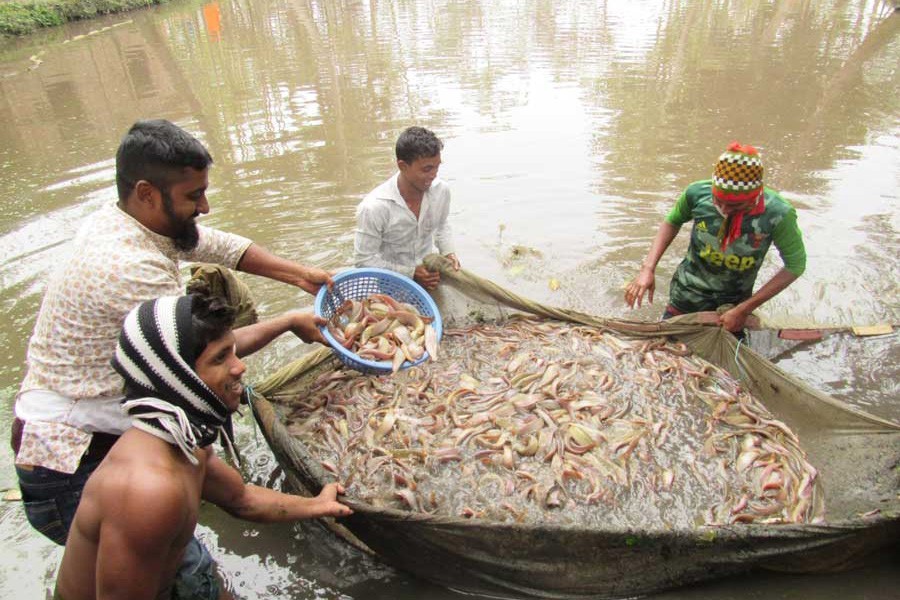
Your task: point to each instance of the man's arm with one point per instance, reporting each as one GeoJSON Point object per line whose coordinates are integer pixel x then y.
{"type": "Point", "coordinates": [442, 239]}
{"type": "Point", "coordinates": [368, 240]}
{"type": "Point", "coordinates": [139, 537]}
{"type": "Point", "coordinates": [259, 261]}
{"type": "Point", "coordinates": [367, 253]}
{"type": "Point", "coordinates": [254, 337]}
{"type": "Point", "coordinates": [646, 279]}
{"type": "Point", "coordinates": [224, 487]}
{"type": "Point", "coordinates": [789, 241]}
{"type": "Point", "coordinates": [443, 233]}
{"type": "Point", "coordinates": [733, 319]}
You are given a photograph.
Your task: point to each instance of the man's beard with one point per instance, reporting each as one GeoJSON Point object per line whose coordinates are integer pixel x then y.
{"type": "Point", "coordinates": [186, 235]}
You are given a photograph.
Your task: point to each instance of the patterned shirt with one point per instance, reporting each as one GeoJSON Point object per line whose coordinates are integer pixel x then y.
{"type": "Point", "coordinates": [70, 388]}
{"type": "Point", "coordinates": [388, 235]}
{"type": "Point", "coordinates": [709, 277]}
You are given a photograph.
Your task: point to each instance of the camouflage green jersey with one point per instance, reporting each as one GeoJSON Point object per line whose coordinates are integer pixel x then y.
{"type": "Point", "coordinates": [709, 277]}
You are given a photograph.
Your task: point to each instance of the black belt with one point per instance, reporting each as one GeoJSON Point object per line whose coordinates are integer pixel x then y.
{"type": "Point", "coordinates": [100, 445]}
{"type": "Point", "coordinates": [97, 449]}
{"type": "Point", "coordinates": [15, 434]}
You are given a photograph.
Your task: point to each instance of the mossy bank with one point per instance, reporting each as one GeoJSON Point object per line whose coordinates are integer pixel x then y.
{"type": "Point", "coordinates": [19, 18]}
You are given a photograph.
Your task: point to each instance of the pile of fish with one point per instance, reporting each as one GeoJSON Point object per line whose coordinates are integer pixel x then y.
{"type": "Point", "coordinates": [542, 421]}
{"type": "Point", "coordinates": [379, 328]}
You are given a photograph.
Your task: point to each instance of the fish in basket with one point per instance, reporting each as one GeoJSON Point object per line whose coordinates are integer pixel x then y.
{"type": "Point", "coordinates": [379, 321]}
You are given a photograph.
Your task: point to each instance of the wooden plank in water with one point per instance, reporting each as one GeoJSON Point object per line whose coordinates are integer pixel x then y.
{"type": "Point", "coordinates": [880, 329]}
{"type": "Point", "coordinates": [800, 334]}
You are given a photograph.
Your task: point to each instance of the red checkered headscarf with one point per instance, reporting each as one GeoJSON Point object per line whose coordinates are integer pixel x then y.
{"type": "Point", "coordinates": [738, 177]}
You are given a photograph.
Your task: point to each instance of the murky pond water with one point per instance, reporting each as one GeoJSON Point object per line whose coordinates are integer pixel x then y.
{"type": "Point", "coordinates": [570, 128]}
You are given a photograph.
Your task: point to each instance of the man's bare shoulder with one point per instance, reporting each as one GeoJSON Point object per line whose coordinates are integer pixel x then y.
{"type": "Point", "coordinates": [136, 515]}
{"type": "Point", "coordinates": [145, 486]}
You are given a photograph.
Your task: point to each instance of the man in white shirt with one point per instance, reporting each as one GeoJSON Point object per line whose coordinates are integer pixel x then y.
{"type": "Point", "coordinates": [68, 411]}
{"type": "Point", "coordinates": [400, 221]}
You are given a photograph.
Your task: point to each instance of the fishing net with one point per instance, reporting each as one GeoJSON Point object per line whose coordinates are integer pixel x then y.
{"type": "Point", "coordinates": [856, 454]}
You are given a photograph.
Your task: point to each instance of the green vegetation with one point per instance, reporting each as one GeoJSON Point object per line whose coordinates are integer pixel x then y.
{"type": "Point", "coordinates": [18, 18]}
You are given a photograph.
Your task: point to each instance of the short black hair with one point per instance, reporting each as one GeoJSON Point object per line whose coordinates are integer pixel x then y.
{"type": "Point", "coordinates": [417, 142]}
{"type": "Point", "coordinates": [211, 317]}
{"type": "Point", "coordinates": [157, 151]}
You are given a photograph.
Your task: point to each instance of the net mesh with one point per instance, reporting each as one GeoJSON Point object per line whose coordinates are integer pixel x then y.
{"type": "Point", "coordinates": [857, 455]}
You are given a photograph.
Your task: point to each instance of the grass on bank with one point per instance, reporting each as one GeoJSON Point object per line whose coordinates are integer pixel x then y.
{"type": "Point", "coordinates": [19, 18]}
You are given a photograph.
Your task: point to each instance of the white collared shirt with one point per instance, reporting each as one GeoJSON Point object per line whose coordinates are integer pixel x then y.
{"type": "Point", "coordinates": [388, 235]}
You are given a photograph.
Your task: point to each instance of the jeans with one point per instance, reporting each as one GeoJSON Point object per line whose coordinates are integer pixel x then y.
{"type": "Point", "coordinates": [50, 497]}
{"type": "Point", "coordinates": [196, 577]}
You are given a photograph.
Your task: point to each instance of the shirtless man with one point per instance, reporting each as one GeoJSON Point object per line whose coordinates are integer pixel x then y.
{"type": "Point", "coordinates": [136, 519]}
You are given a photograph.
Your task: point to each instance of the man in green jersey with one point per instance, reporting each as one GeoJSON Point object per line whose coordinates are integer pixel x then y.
{"type": "Point", "coordinates": [736, 219]}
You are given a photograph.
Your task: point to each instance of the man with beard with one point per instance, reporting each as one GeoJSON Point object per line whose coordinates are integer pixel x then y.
{"type": "Point", "coordinates": [736, 219]}
{"type": "Point", "coordinates": [136, 519]}
{"type": "Point", "coordinates": [68, 411]}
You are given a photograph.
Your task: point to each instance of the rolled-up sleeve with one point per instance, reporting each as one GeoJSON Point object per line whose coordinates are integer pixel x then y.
{"type": "Point", "coordinates": [219, 247]}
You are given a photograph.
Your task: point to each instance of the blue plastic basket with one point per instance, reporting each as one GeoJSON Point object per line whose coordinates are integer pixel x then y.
{"type": "Point", "coordinates": [359, 284]}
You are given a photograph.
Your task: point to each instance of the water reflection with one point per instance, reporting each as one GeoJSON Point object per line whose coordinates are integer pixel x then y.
{"type": "Point", "coordinates": [842, 364]}
{"type": "Point", "coordinates": [570, 127]}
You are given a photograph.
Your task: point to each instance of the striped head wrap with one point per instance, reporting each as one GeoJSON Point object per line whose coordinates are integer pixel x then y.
{"type": "Point", "coordinates": [166, 396]}
{"type": "Point", "coordinates": [738, 175]}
